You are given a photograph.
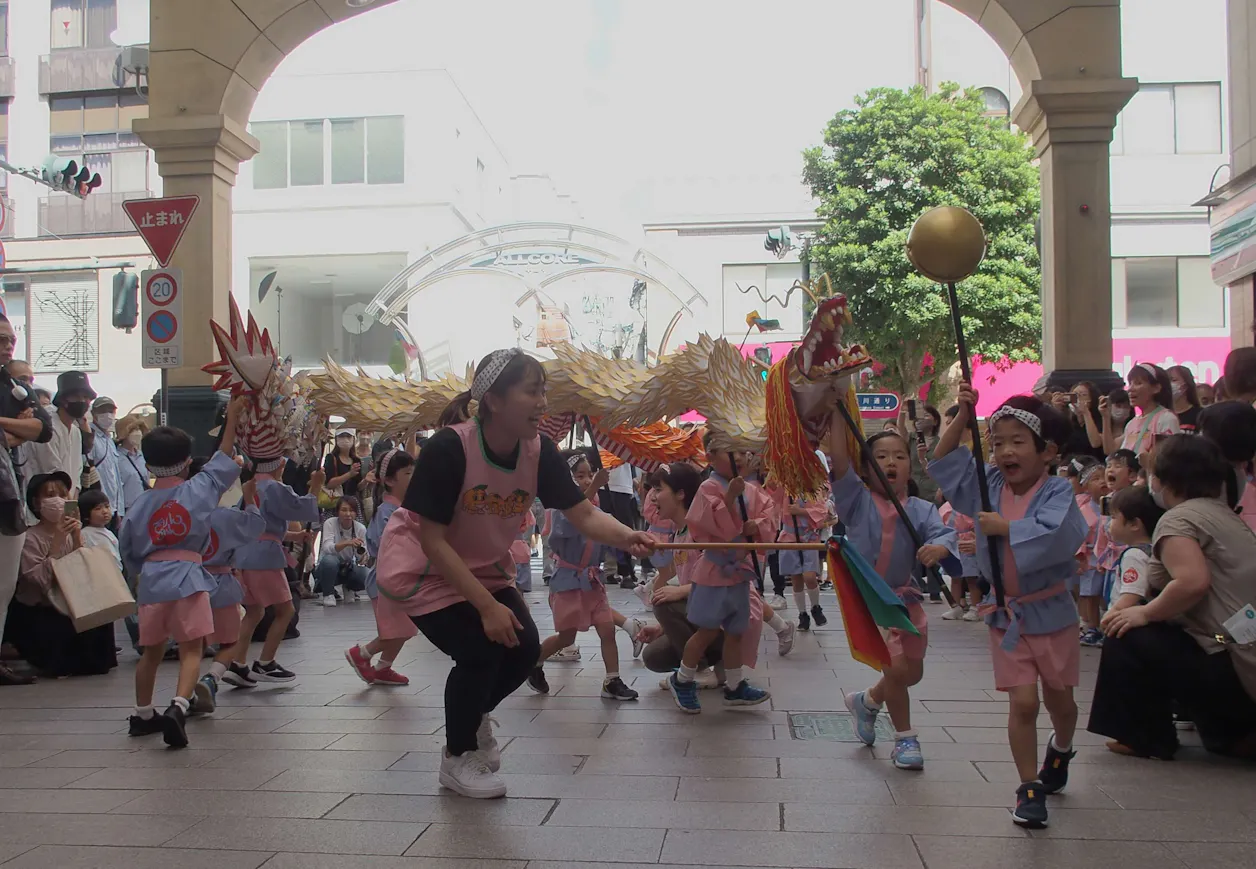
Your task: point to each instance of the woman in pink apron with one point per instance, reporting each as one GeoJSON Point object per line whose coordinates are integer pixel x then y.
{"type": "Point", "coordinates": [449, 565]}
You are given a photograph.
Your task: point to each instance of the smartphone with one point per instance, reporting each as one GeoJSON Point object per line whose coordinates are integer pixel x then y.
{"type": "Point", "coordinates": [1105, 505]}
{"type": "Point", "coordinates": [71, 509]}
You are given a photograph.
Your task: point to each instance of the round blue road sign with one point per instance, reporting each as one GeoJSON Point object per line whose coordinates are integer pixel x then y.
{"type": "Point", "coordinates": [162, 327]}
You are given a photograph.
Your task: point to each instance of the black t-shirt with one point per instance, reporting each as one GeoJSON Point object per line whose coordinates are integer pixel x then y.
{"type": "Point", "coordinates": [442, 465]}
{"type": "Point", "coordinates": [1078, 443]}
{"type": "Point", "coordinates": [334, 466]}
{"type": "Point", "coordinates": [1189, 420]}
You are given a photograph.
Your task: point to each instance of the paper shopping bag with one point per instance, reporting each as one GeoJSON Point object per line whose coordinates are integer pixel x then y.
{"type": "Point", "coordinates": [93, 587]}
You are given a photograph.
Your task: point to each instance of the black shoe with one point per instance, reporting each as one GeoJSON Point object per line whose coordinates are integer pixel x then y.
{"type": "Point", "coordinates": [629, 582]}
{"type": "Point", "coordinates": [8, 677]}
{"type": "Point", "coordinates": [238, 676]}
{"type": "Point", "coordinates": [804, 622]}
{"type": "Point", "coordinates": [818, 614]}
{"type": "Point", "coordinates": [173, 729]}
{"type": "Point", "coordinates": [1054, 772]}
{"type": "Point", "coordinates": [271, 672]}
{"type": "Point", "coordinates": [1031, 806]}
{"type": "Point", "coordinates": [615, 689]}
{"type": "Point", "coordinates": [536, 680]}
{"type": "Point", "coordinates": [545, 579]}
{"type": "Point", "coordinates": [144, 726]}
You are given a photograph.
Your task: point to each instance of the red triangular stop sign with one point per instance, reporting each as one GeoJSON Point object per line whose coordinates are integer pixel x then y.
{"type": "Point", "coordinates": [161, 222]}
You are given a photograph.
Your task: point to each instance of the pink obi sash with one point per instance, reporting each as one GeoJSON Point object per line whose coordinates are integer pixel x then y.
{"type": "Point", "coordinates": [175, 555]}
{"type": "Point", "coordinates": [1013, 606]}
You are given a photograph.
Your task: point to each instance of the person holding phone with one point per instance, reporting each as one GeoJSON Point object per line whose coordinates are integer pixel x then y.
{"type": "Point", "coordinates": [342, 557]}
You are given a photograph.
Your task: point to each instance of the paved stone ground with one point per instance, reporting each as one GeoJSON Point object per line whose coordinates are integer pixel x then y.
{"type": "Point", "coordinates": [328, 774]}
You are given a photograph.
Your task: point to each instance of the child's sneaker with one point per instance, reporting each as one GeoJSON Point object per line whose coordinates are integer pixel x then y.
{"type": "Point", "coordinates": [360, 663]}
{"type": "Point", "coordinates": [205, 695]}
{"type": "Point", "coordinates": [173, 726]}
{"type": "Point", "coordinates": [1092, 638]}
{"type": "Point", "coordinates": [272, 672]}
{"type": "Point", "coordinates": [1054, 772]}
{"type": "Point", "coordinates": [571, 653]}
{"type": "Point", "coordinates": [1031, 806]}
{"type": "Point", "coordinates": [487, 743]}
{"type": "Point", "coordinates": [389, 676]}
{"type": "Point", "coordinates": [778, 602]}
{"type": "Point", "coordinates": [470, 775]}
{"type": "Point", "coordinates": [359, 596]}
{"type": "Point", "coordinates": [804, 621]}
{"type": "Point", "coordinates": [785, 639]}
{"type": "Point", "coordinates": [632, 627]}
{"type": "Point", "coordinates": [537, 681]}
{"type": "Point", "coordinates": [954, 613]}
{"type": "Point", "coordinates": [865, 718]}
{"type": "Point", "coordinates": [817, 614]}
{"type": "Point", "coordinates": [685, 694]}
{"type": "Point", "coordinates": [141, 726]}
{"type": "Point", "coordinates": [745, 694]}
{"type": "Point", "coordinates": [238, 676]}
{"type": "Point", "coordinates": [973, 615]}
{"type": "Point", "coordinates": [906, 753]}
{"type": "Point", "coordinates": [615, 689]}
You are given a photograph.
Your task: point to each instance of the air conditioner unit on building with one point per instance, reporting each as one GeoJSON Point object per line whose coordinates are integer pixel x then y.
{"type": "Point", "coordinates": [135, 58]}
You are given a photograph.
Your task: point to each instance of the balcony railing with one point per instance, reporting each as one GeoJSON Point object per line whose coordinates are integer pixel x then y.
{"type": "Point", "coordinates": [6, 78]}
{"type": "Point", "coordinates": [99, 214]}
{"type": "Point", "coordinates": [74, 70]}
{"type": "Point", "coordinates": [8, 230]}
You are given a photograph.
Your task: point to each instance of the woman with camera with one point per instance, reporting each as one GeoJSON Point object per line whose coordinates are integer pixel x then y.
{"type": "Point", "coordinates": [342, 555]}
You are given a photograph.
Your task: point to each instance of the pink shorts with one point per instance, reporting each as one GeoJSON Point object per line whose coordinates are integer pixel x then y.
{"type": "Point", "coordinates": [183, 620]}
{"type": "Point", "coordinates": [1055, 659]}
{"type": "Point", "coordinates": [901, 643]}
{"type": "Point", "coordinates": [265, 587]}
{"type": "Point", "coordinates": [226, 626]}
{"type": "Point", "coordinates": [579, 610]}
{"type": "Point", "coordinates": [391, 621]}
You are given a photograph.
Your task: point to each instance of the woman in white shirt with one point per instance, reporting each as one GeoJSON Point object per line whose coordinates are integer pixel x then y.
{"type": "Point", "coordinates": [1151, 393]}
{"type": "Point", "coordinates": [342, 554]}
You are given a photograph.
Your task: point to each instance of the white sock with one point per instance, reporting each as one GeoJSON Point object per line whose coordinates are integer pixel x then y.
{"type": "Point", "coordinates": [814, 594]}
{"type": "Point", "coordinates": [267, 663]}
{"type": "Point", "coordinates": [776, 623]}
{"type": "Point", "coordinates": [867, 701]}
{"type": "Point", "coordinates": [611, 675]}
{"type": "Point", "coordinates": [145, 711]}
{"type": "Point", "coordinates": [1060, 748]}
{"type": "Point", "coordinates": [366, 653]}
{"type": "Point", "coordinates": [217, 670]}
{"type": "Point", "coordinates": [732, 677]}
{"type": "Point", "coordinates": [630, 627]}
{"type": "Point", "coordinates": [686, 674]}
{"type": "Point", "coordinates": [181, 702]}
{"type": "Point", "coordinates": [904, 734]}
{"type": "Point", "coordinates": [800, 599]}
{"type": "Point", "coordinates": [385, 665]}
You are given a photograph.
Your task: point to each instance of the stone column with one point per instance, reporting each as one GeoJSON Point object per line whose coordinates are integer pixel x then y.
{"type": "Point", "coordinates": [1071, 123]}
{"type": "Point", "coordinates": [199, 155]}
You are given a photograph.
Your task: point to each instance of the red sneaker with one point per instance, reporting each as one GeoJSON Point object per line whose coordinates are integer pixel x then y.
{"type": "Point", "coordinates": [361, 665]}
{"type": "Point", "coordinates": [389, 676]}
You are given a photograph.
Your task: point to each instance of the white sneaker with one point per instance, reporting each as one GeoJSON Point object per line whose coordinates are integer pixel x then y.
{"type": "Point", "coordinates": [632, 627]}
{"type": "Point", "coordinates": [571, 653]}
{"type": "Point", "coordinates": [471, 776]}
{"type": "Point", "coordinates": [785, 639]}
{"type": "Point", "coordinates": [643, 591]}
{"type": "Point", "coordinates": [360, 596]}
{"type": "Point", "coordinates": [973, 616]}
{"type": "Point", "coordinates": [487, 743]}
{"type": "Point", "coordinates": [778, 602]}
{"type": "Point", "coordinates": [954, 613]}
{"type": "Point", "coordinates": [328, 600]}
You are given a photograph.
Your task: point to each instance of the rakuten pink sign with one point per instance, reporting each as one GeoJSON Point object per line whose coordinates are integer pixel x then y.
{"type": "Point", "coordinates": [1205, 357]}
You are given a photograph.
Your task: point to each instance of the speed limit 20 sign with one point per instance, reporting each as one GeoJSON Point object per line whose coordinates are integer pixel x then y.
{"type": "Point", "coordinates": [161, 313]}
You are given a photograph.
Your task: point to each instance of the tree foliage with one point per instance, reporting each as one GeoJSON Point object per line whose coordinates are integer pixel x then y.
{"type": "Point", "coordinates": [885, 163]}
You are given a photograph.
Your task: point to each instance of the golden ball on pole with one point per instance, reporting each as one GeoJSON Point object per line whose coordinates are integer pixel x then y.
{"type": "Point", "coordinates": [946, 244]}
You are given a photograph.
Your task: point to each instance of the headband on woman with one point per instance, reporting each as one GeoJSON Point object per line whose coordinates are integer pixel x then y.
{"type": "Point", "coordinates": [1149, 368]}
{"type": "Point", "coordinates": [1031, 420]}
{"type": "Point", "coordinates": [497, 362]}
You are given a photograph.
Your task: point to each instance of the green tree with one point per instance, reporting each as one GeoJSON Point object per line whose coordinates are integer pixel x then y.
{"type": "Point", "coordinates": [885, 163]}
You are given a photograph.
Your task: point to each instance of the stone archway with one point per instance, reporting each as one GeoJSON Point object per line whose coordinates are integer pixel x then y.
{"type": "Point", "coordinates": [210, 58]}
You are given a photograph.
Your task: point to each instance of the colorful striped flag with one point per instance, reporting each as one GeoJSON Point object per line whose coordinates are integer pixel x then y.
{"type": "Point", "coordinates": [868, 605]}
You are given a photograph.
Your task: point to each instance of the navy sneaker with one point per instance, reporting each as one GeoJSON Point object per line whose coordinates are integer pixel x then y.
{"type": "Point", "coordinates": [1031, 806]}
{"type": "Point", "coordinates": [804, 621]}
{"type": "Point", "coordinates": [684, 693]}
{"type": "Point", "coordinates": [745, 694]}
{"type": "Point", "coordinates": [1093, 638]}
{"type": "Point", "coordinates": [1054, 772]}
{"type": "Point", "coordinates": [140, 726]}
{"type": "Point", "coordinates": [537, 681]}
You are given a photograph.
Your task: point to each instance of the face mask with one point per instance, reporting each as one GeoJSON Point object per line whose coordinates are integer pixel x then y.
{"type": "Point", "coordinates": [1157, 494]}
{"type": "Point", "coordinates": [1178, 389]}
{"type": "Point", "coordinates": [76, 409]}
{"type": "Point", "coordinates": [105, 421]}
{"type": "Point", "coordinates": [134, 439]}
{"type": "Point", "coordinates": [52, 509]}
{"type": "Point", "coordinates": [1120, 414]}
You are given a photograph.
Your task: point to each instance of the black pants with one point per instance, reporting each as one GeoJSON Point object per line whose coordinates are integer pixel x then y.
{"type": "Point", "coordinates": [774, 569]}
{"type": "Point", "coordinates": [623, 507]}
{"type": "Point", "coordinates": [1143, 673]}
{"type": "Point", "coordinates": [663, 655]}
{"type": "Point", "coordinates": [484, 672]}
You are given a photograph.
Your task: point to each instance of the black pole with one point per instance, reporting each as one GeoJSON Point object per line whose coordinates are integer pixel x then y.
{"type": "Point", "coordinates": [745, 517]}
{"type": "Point", "coordinates": [996, 574]}
{"type": "Point", "coordinates": [916, 539]}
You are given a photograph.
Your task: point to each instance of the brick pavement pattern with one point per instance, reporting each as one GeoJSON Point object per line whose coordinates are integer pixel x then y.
{"type": "Point", "coordinates": [330, 774]}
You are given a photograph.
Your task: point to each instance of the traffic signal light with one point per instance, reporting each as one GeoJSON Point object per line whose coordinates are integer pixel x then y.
{"type": "Point", "coordinates": [779, 241]}
{"type": "Point", "coordinates": [66, 175]}
{"type": "Point", "coordinates": [125, 300]}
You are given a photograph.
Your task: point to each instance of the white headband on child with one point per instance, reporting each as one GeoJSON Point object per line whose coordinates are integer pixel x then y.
{"type": "Point", "coordinates": [171, 471]}
{"type": "Point", "coordinates": [266, 466]}
{"type": "Point", "coordinates": [1090, 471]}
{"type": "Point", "coordinates": [385, 462]}
{"type": "Point", "coordinates": [497, 362]}
{"type": "Point", "coordinates": [1023, 416]}
{"type": "Point", "coordinates": [573, 462]}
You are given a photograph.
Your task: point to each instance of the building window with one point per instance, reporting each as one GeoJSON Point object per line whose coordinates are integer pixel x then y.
{"type": "Point", "coordinates": [83, 23]}
{"type": "Point", "coordinates": [329, 151]}
{"type": "Point", "coordinates": [62, 322]}
{"type": "Point", "coordinates": [1170, 119]}
{"type": "Point", "coordinates": [997, 104]}
{"type": "Point", "coordinates": [96, 123]}
{"type": "Point", "coordinates": [14, 296]}
{"type": "Point", "coordinates": [1167, 292]}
